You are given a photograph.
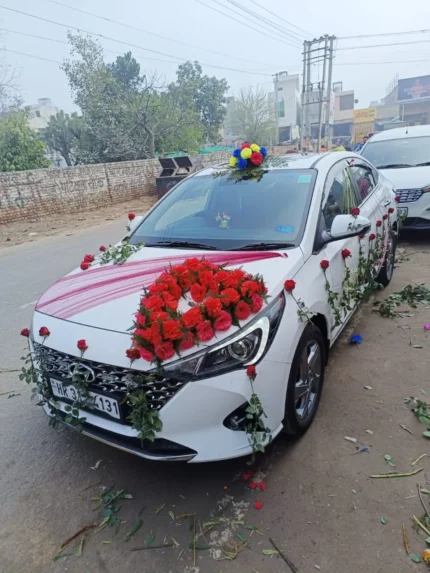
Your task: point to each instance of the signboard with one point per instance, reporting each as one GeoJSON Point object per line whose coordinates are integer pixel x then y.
{"type": "Point", "coordinates": [365, 115]}
{"type": "Point", "coordinates": [414, 89]}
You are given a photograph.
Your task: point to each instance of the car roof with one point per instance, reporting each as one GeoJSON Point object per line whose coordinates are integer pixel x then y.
{"type": "Point", "coordinates": [401, 133]}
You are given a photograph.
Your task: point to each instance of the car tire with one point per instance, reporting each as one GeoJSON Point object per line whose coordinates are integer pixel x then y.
{"type": "Point", "coordinates": [386, 272]}
{"type": "Point", "coordinates": [301, 406]}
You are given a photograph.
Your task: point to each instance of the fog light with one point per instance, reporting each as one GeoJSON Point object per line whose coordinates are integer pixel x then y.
{"type": "Point", "coordinates": [237, 419]}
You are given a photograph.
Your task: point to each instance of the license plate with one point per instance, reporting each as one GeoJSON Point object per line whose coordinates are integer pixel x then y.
{"type": "Point", "coordinates": [105, 404]}
{"type": "Point", "coordinates": [402, 211]}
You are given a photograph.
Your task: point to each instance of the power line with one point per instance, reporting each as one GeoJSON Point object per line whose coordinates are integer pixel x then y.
{"type": "Point", "coordinates": [383, 45]}
{"type": "Point", "coordinates": [286, 21]}
{"type": "Point", "coordinates": [381, 35]}
{"type": "Point", "coordinates": [126, 43]}
{"type": "Point", "coordinates": [283, 40]}
{"type": "Point", "coordinates": [293, 36]}
{"type": "Point", "coordinates": [30, 55]}
{"type": "Point", "coordinates": [151, 33]}
{"type": "Point", "coordinates": [379, 63]}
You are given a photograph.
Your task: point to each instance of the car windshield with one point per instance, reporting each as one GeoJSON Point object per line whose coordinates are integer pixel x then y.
{"type": "Point", "coordinates": [392, 153]}
{"type": "Point", "coordinates": [218, 212]}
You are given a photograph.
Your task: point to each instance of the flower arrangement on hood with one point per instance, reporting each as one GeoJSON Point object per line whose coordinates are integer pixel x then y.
{"type": "Point", "coordinates": [250, 155]}
{"type": "Point", "coordinates": [218, 298]}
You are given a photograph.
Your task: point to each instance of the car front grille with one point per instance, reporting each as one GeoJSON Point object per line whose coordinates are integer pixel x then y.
{"type": "Point", "coordinates": [409, 195]}
{"type": "Point", "coordinates": [108, 378]}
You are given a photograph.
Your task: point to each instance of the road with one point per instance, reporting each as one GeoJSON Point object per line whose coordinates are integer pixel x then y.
{"type": "Point", "coordinates": [320, 506]}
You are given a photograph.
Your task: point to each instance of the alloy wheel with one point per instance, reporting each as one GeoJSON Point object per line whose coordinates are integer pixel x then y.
{"type": "Point", "coordinates": [309, 380]}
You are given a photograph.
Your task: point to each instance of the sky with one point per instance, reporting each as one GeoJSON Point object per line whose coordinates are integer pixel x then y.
{"type": "Point", "coordinates": [193, 31]}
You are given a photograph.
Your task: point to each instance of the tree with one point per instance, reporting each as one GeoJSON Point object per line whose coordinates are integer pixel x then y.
{"type": "Point", "coordinates": [251, 115]}
{"type": "Point", "coordinates": [206, 95]}
{"type": "Point", "coordinates": [62, 136]}
{"type": "Point", "coordinates": [10, 99]}
{"type": "Point", "coordinates": [126, 70]}
{"type": "Point", "coordinates": [20, 147]}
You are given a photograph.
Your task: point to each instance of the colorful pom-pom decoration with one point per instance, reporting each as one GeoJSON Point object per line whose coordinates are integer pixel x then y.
{"type": "Point", "coordinates": [250, 155]}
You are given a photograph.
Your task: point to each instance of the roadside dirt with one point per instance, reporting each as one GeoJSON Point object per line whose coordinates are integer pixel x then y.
{"type": "Point", "coordinates": [67, 225]}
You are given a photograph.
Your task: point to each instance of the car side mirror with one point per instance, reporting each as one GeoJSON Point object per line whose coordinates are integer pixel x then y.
{"type": "Point", "coordinates": [132, 225]}
{"type": "Point", "coordinates": [346, 226]}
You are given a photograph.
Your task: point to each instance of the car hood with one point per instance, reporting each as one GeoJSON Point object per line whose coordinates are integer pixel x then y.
{"type": "Point", "coordinates": [107, 297]}
{"type": "Point", "coordinates": [408, 177]}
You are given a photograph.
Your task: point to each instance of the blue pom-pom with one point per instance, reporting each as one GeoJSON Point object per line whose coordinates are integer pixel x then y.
{"type": "Point", "coordinates": [242, 163]}
{"type": "Point", "coordinates": [236, 153]}
{"type": "Point", "coordinates": [355, 339]}
{"type": "Point", "coordinates": [263, 151]}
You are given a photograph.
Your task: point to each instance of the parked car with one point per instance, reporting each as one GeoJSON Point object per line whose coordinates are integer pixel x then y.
{"type": "Point", "coordinates": [403, 156]}
{"type": "Point", "coordinates": [281, 225]}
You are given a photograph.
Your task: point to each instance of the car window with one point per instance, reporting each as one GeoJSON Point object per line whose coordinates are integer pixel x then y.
{"type": "Point", "coordinates": [364, 179]}
{"type": "Point", "coordinates": [405, 152]}
{"type": "Point", "coordinates": [226, 212]}
{"type": "Point", "coordinates": [341, 197]}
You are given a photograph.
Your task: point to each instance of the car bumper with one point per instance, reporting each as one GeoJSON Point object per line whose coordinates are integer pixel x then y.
{"type": "Point", "coordinates": [418, 216]}
{"type": "Point", "coordinates": [193, 428]}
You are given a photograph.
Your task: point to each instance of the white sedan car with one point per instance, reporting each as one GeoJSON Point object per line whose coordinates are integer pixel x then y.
{"type": "Point", "coordinates": [296, 227]}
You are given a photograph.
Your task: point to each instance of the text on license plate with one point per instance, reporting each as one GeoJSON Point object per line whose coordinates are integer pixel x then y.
{"type": "Point", "coordinates": [105, 404]}
{"type": "Point", "coordinates": [402, 211]}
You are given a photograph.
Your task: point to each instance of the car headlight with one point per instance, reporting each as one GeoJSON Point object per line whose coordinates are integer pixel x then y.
{"type": "Point", "coordinates": [243, 348]}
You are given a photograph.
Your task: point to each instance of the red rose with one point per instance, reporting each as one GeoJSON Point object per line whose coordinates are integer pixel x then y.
{"type": "Point", "coordinates": [262, 485]}
{"type": "Point", "coordinates": [242, 310]}
{"type": "Point", "coordinates": [205, 332]}
{"type": "Point", "coordinates": [391, 210]}
{"type": "Point", "coordinates": [256, 158]}
{"type": "Point", "coordinates": [258, 504]}
{"type": "Point", "coordinates": [158, 288]}
{"type": "Point", "coordinates": [379, 223]}
{"type": "Point", "coordinates": [257, 303]}
{"type": "Point", "coordinates": [133, 353]}
{"type": "Point", "coordinates": [88, 258]}
{"type": "Point", "coordinates": [172, 330]}
{"type": "Point", "coordinates": [170, 301]}
{"type": "Point", "coordinates": [385, 216]}
{"type": "Point", "coordinates": [164, 351]}
{"type": "Point", "coordinates": [234, 278]}
{"type": "Point", "coordinates": [131, 216]}
{"type": "Point", "coordinates": [198, 292]}
{"type": "Point", "coordinates": [206, 277]}
{"type": "Point", "coordinates": [251, 372]}
{"type": "Point", "coordinates": [247, 474]}
{"type": "Point", "coordinates": [289, 285]}
{"type": "Point", "coordinates": [194, 265]}
{"type": "Point", "coordinates": [192, 317]}
{"type": "Point", "coordinates": [159, 315]}
{"type": "Point", "coordinates": [346, 253]}
{"type": "Point", "coordinates": [179, 269]}
{"type": "Point", "coordinates": [175, 290]}
{"type": "Point", "coordinates": [324, 264]}
{"type": "Point", "coordinates": [102, 249]}
{"type": "Point", "coordinates": [355, 211]}
{"type": "Point", "coordinates": [213, 288]}
{"type": "Point", "coordinates": [249, 288]}
{"type": "Point", "coordinates": [25, 332]}
{"type": "Point", "coordinates": [44, 331]}
{"type": "Point", "coordinates": [229, 296]}
{"type": "Point", "coordinates": [244, 145]}
{"type": "Point", "coordinates": [397, 199]}
{"type": "Point", "coordinates": [187, 342]}
{"type": "Point", "coordinates": [153, 303]}
{"type": "Point", "coordinates": [85, 266]}
{"type": "Point", "coordinates": [223, 322]}
{"type": "Point", "coordinates": [140, 319]}
{"type": "Point", "coordinates": [213, 307]}
{"type": "Point", "coordinates": [221, 276]}
{"type": "Point", "coordinates": [253, 485]}
{"type": "Point", "coordinates": [372, 237]}
{"type": "Point", "coordinates": [361, 236]}
{"type": "Point", "coordinates": [146, 354]}
{"type": "Point", "coordinates": [82, 345]}
{"type": "Point", "coordinates": [151, 334]}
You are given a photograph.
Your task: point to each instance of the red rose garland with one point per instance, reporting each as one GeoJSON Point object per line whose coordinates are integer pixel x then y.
{"type": "Point", "coordinates": [220, 298]}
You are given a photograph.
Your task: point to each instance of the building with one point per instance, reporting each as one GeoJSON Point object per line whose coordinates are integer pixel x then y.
{"type": "Point", "coordinates": [288, 100]}
{"type": "Point", "coordinates": [344, 103]}
{"type": "Point", "coordinates": [40, 113]}
{"type": "Point", "coordinates": [413, 99]}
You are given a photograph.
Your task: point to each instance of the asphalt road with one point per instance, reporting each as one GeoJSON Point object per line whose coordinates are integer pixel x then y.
{"type": "Point", "coordinates": [320, 506]}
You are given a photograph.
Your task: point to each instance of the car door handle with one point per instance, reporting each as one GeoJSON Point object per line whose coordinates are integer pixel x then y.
{"type": "Point", "coordinates": [386, 203]}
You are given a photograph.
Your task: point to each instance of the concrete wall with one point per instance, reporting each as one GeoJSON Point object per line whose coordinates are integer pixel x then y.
{"type": "Point", "coordinates": [43, 192]}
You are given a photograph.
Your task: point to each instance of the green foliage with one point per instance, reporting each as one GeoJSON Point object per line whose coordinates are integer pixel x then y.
{"type": "Point", "coordinates": [20, 147]}
{"type": "Point", "coordinates": [250, 116]}
{"type": "Point", "coordinates": [411, 295]}
{"type": "Point", "coordinates": [255, 428]}
{"type": "Point", "coordinates": [119, 254]}
{"type": "Point", "coordinates": [143, 418]}
{"type": "Point", "coordinates": [62, 136]}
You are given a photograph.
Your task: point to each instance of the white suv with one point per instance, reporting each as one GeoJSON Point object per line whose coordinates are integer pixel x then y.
{"type": "Point", "coordinates": [403, 156]}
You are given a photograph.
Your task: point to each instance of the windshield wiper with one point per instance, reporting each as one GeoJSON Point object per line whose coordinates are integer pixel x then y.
{"type": "Point", "coordinates": [185, 244]}
{"type": "Point", "coordinates": [264, 246]}
{"type": "Point", "coordinates": [422, 164]}
{"type": "Point", "coordinates": [394, 166]}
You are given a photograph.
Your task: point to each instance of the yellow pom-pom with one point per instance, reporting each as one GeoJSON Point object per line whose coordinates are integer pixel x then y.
{"type": "Point", "coordinates": [233, 161]}
{"type": "Point", "coordinates": [255, 147]}
{"type": "Point", "coordinates": [246, 153]}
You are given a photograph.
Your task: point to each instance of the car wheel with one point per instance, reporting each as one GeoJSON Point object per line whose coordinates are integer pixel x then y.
{"type": "Point", "coordinates": [386, 273]}
{"type": "Point", "coordinates": [305, 382]}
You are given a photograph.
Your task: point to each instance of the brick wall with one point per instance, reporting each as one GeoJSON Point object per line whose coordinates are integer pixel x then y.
{"type": "Point", "coordinates": [39, 193]}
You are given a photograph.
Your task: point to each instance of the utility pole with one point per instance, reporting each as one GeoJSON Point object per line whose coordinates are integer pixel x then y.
{"type": "Point", "coordinates": [276, 110]}
{"type": "Point", "coordinates": [329, 82]}
{"type": "Point", "coordinates": [321, 100]}
{"type": "Point", "coordinates": [308, 89]}
{"type": "Point", "coordinates": [304, 93]}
